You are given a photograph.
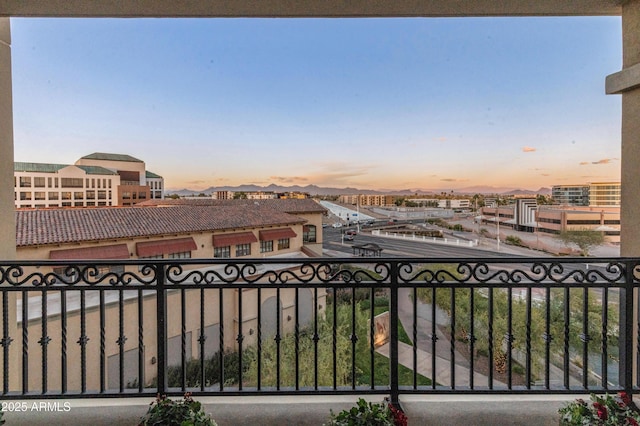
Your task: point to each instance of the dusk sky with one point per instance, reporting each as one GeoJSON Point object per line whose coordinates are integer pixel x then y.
{"type": "Point", "coordinates": [416, 103]}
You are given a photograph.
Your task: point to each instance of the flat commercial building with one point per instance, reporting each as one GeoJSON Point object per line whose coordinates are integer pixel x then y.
{"type": "Point", "coordinates": [553, 220]}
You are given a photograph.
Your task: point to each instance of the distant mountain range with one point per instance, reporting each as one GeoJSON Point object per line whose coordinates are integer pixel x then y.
{"type": "Point", "coordinates": [318, 190]}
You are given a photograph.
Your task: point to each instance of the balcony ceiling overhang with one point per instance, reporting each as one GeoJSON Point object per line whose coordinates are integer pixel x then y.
{"type": "Point", "coordinates": [308, 8]}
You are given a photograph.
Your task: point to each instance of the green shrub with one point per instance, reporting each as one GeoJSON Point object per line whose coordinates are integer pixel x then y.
{"type": "Point", "coordinates": [165, 412]}
{"type": "Point", "coordinates": [369, 414]}
{"type": "Point", "coordinates": [513, 240]}
{"type": "Point", "coordinates": [606, 410]}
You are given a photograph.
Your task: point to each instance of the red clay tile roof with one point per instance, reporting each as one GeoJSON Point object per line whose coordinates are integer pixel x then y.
{"type": "Point", "coordinates": [292, 206]}
{"type": "Point", "coordinates": [55, 226]}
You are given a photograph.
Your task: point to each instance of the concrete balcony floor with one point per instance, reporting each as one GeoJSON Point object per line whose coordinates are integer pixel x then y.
{"type": "Point", "coordinates": [467, 410]}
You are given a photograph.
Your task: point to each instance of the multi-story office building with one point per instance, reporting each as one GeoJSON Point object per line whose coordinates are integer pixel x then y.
{"type": "Point", "coordinates": [604, 194]}
{"type": "Point", "coordinates": [95, 180]}
{"type": "Point", "coordinates": [222, 195]}
{"type": "Point", "coordinates": [134, 187]}
{"type": "Point", "coordinates": [369, 200]}
{"type": "Point", "coordinates": [38, 185]}
{"type": "Point", "coordinates": [571, 195]}
{"type": "Point", "coordinates": [600, 194]}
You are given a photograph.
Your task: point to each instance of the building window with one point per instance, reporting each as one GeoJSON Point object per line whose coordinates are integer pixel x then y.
{"type": "Point", "coordinates": [243, 250]}
{"type": "Point", "coordinates": [66, 195]}
{"type": "Point", "coordinates": [309, 234]}
{"type": "Point", "coordinates": [25, 182]}
{"type": "Point", "coordinates": [39, 196]}
{"type": "Point", "coordinates": [102, 195]}
{"type": "Point", "coordinates": [223, 252]}
{"type": "Point", "coordinates": [39, 182]}
{"type": "Point", "coordinates": [583, 222]}
{"type": "Point", "coordinates": [126, 195]}
{"type": "Point", "coordinates": [180, 255]}
{"type": "Point", "coordinates": [283, 243]}
{"type": "Point", "coordinates": [71, 182]}
{"type": "Point", "coordinates": [266, 246]}
{"type": "Point", "coordinates": [53, 195]}
{"type": "Point", "coordinates": [78, 195]}
{"type": "Point", "coordinates": [91, 195]}
{"type": "Point", "coordinates": [25, 196]}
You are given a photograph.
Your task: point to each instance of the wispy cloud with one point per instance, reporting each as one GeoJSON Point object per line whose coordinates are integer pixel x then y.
{"type": "Point", "coordinates": [289, 179]}
{"type": "Point", "coordinates": [454, 180]}
{"type": "Point", "coordinates": [196, 182]}
{"type": "Point", "coordinates": [602, 161]}
{"type": "Point", "coordinates": [528, 149]}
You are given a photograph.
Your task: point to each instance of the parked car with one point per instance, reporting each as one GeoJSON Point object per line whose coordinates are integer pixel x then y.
{"type": "Point", "coordinates": [337, 225]}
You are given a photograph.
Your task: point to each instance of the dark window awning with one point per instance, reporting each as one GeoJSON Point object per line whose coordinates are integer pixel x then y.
{"type": "Point", "coordinates": [236, 238]}
{"type": "Point", "coordinates": [117, 251]}
{"type": "Point", "coordinates": [158, 247]}
{"type": "Point", "coordinates": [277, 234]}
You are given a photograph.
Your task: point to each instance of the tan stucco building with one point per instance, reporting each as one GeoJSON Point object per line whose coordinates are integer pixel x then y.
{"type": "Point", "coordinates": [163, 229]}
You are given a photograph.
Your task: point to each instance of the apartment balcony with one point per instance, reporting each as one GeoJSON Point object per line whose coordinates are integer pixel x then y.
{"type": "Point", "coordinates": [452, 341]}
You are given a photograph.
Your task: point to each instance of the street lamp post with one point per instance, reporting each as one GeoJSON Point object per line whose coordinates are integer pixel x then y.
{"type": "Point", "coordinates": [498, 226]}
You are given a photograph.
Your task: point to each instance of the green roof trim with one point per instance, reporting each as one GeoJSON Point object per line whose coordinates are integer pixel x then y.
{"type": "Point", "coordinates": [111, 157]}
{"type": "Point", "coordinates": [38, 167]}
{"type": "Point", "coordinates": [152, 175]}
{"type": "Point", "coordinates": [55, 168]}
{"type": "Point", "coordinates": [97, 170]}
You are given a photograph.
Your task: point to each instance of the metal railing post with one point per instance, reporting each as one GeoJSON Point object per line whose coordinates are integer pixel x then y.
{"type": "Point", "coordinates": [393, 341]}
{"type": "Point", "coordinates": [626, 330]}
{"type": "Point", "coordinates": [161, 315]}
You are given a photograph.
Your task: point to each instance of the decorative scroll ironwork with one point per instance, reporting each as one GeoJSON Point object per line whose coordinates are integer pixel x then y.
{"type": "Point", "coordinates": [539, 272]}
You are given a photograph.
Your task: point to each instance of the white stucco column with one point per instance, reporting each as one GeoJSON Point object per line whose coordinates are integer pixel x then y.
{"type": "Point", "coordinates": [627, 83]}
{"type": "Point", "coordinates": [7, 209]}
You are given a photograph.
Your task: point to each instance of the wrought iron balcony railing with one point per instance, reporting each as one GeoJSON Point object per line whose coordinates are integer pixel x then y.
{"type": "Point", "coordinates": [318, 326]}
